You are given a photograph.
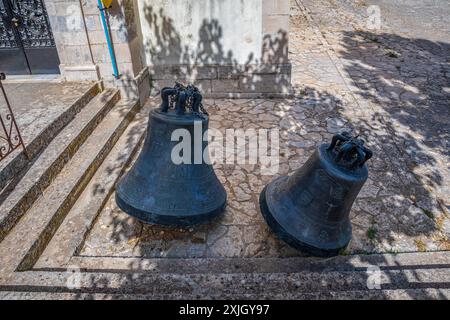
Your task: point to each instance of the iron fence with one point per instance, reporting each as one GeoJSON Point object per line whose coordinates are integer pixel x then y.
{"type": "Point", "coordinates": [10, 137]}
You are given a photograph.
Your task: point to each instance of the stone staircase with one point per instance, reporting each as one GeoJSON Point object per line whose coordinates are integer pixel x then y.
{"type": "Point", "coordinates": [294, 278]}
{"type": "Point", "coordinates": [45, 219]}
{"type": "Point", "coordinates": [16, 164]}
{"type": "Point", "coordinates": [40, 173]}
{"type": "Point", "coordinates": [35, 199]}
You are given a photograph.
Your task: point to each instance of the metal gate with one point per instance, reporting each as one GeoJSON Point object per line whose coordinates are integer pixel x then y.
{"type": "Point", "coordinates": [26, 40]}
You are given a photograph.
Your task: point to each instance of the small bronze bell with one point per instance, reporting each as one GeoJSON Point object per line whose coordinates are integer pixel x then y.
{"type": "Point", "coordinates": [310, 209]}
{"type": "Point", "coordinates": [157, 190]}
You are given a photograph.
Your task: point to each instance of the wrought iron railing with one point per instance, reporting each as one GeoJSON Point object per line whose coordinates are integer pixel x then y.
{"type": "Point", "coordinates": [10, 137]}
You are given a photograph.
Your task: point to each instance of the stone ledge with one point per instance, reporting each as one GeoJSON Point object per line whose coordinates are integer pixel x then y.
{"type": "Point", "coordinates": [210, 72]}
{"type": "Point", "coordinates": [228, 81]}
{"type": "Point", "coordinates": [80, 73]}
{"type": "Point", "coordinates": [52, 160]}
{"type": "Point", "coordinates": [132, 88]}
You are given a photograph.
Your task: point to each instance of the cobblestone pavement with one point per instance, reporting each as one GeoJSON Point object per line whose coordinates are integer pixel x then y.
{"type": "Point", "coordinates": [391, 89]}
{"type": "Point", "coordinates": [401, 86]}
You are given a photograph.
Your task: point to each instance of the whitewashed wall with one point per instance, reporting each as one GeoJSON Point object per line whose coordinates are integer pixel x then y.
{"type": "Point", "coordinates": [201, 31]}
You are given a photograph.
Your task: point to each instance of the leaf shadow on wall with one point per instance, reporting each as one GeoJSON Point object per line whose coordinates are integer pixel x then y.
{"type": "Point", "coordinates": [172, 60]}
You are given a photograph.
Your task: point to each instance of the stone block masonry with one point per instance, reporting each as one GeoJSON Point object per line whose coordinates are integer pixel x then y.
{"type": "Point", "coordinates": [228, 81]}
{"type": "Point", "coordinates": [81, 44]}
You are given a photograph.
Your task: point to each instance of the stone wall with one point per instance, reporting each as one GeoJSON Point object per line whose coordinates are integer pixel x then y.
{"type": "Point", "coordinates": [229, 48]}
{"type": "Point", "coordinates": [69, 31]}
{"type": "Point", "coordinates": [82, 48]}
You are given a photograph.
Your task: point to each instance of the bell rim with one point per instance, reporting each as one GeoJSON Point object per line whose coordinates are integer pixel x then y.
{"type": "Point", "coordinates": [133, 204]}
{"type": "Point", "coordinates": [170, 220]}
{"type": "Point", "coordinates": [282, 233]}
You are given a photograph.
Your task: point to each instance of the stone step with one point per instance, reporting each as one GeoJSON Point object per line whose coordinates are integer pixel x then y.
{"type": "Point", "coordinates": [28, 238]}
{"type": "Point", "coordinates": [326, 284]}
{"type": "Point", "coordinates": [10, 169]}
{"type": "Point", "coordinates": [258, 265]}
{"type": "Point", "coordinates": [50, 162]}
{"type": "Point", "coordinates": [408, 294]}
{"type": "Point", "coordinates": [75, 227]}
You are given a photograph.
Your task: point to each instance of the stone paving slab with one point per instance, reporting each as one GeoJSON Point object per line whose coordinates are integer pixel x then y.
{"type": "Point", "coordinates": [344, 263]}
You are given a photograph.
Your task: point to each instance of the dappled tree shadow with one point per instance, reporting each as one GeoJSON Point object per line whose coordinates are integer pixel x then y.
{"type": "Point", "coordinates": [408, 78]}
{"type": "Point", "coordinates": [314, 110]}
{"type": "Point", "coordinates": [406, 83]}
{"type": "Point", "coordinates": [172, 60]}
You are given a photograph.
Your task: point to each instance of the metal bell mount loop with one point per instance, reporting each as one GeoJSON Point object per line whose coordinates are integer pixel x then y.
{"type": "Point", "coordinates": [348, 150]}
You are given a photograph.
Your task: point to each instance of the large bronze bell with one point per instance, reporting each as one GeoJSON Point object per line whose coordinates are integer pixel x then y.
{"type": "Point", "coordinates": [310, 209]}
{"type": "Point", "coordinates": [157, 190]}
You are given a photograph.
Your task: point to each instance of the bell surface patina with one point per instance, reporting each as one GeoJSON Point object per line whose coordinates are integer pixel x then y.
{"type": "Point", "coordinates": [156, 190]}
{"type": "Point", "coordinates": [310, 209]}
